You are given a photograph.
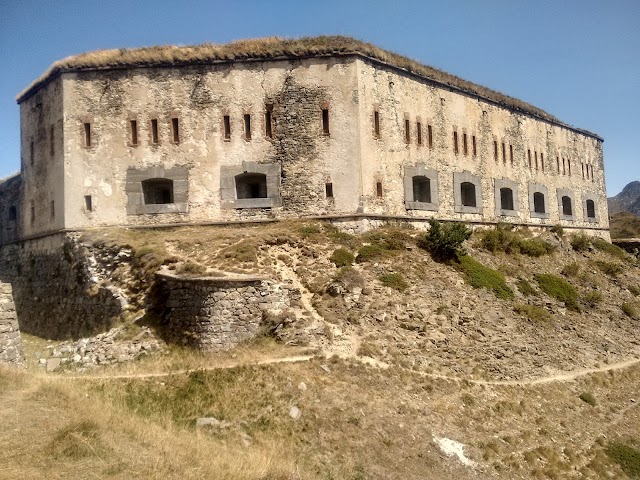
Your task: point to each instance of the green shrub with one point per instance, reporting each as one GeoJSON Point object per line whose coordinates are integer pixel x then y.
{"type": "Point", "coordinates": [571, 269]}
{"type": "Point", "coordinates": [367, 253]}
{"type": "Point", "coordinates": [525, 288]}
{"type": "Point", "coordinates": [610, 248]}
{"type": "Point", "coordinates": [631, 310]}
{"type": "Point", "coordinates": [592, 299]}
{"type": "Point", "coordinates": [481, 276]}
{"type": "Point", "coordinates": [308, 230]}
{"type": "Point", "coordinates": [635, 291]}
{"type": "Point", "coordinates": [627, 457]}
{"type": "Point", "coordinates": [559, 289]}
{"type": "Point", "coordinates": [580, 243]}
{"type": "Point", "coordinates": [342, 257]}
{"type": "Point", "coordinates": [557, 229]}
{"type": "Point", "coordinates": [395, 281]}
{"type": "Point", "coordinates": [190, 268]}
{"type": "Point", "coordinates": [535, 247]}
{"type": "Point", "coordinates": [502, 239]}
{"type": "Point", "coordinates": [588, 398]}
{"type": "Point", "coordinates": [390, 239]}
{"type": "Point", "coordinates": [533, 313]}
{"type": "Point", "coordinates": [609, 268]}
{"type": "Point", "coordinates": [444, 242]}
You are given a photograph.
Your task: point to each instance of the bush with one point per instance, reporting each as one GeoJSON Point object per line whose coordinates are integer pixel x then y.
{"type": "Point", "coordinates": [588, 398]}
{"type": "Point", "coordinates": [341, 257]}
{"type": "Point", "coordinates": [635, 291]}
{"type": "Point", "coordinates": [627, 457]}
{"type": "Point", "coordinates": [559, 289]}
{"type": "Point", "coordinates": [481, 276]}
{"type": "Point", "coordinates": [395, 281]}
{"type": "Point", "coordinates": [525, 288]}
{"type": "Point", "coordinates": [557, 229]}
{"type": "Point", "coordinates": [190, 268]}
{"type": "Point", "coordinates": [571, 269]}
{"type": "Point", "coordinates": [535, 247]}
{"type": "Point", "coordinates": [610, 248]}
{"type": "Point", "coordinates": [592, 299]}
{"type": "Point", "coordinates": [533, 313]}
{"type": "Point", "coordinates": [580, 243]}
{"type": "Point", "coordinates": [630, 309]}
{"type": "Point", "coordinates": [609, 268]}
{"type": "Point", "coordinates": [367, 253]}
{"type": "Point", "coordinates": [502, 239]}
{"type": "Point", "coordinates": [306, 231]}
{"type": "Point", "coordinates": [444, 242]}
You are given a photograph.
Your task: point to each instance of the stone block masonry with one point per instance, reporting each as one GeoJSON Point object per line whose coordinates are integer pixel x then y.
{"type": "Point", "coordinates": [11, 351]}
{"type": "Point", "coordinates": [219, 312]}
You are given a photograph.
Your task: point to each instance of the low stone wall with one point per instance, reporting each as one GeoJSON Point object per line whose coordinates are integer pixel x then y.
{"type": "Point", "coordinates": [219, 312]}
{"type": "Point", "coordinates": [10, 341]}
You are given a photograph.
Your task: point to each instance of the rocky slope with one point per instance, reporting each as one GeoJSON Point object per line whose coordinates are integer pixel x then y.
{"type": "Point", "coordinates": [628, 200]}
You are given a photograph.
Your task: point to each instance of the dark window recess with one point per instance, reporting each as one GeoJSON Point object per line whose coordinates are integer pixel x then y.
{"type": "Point", "coordinates": [495, 150]}
{"type": "Point", "coordinates": [325, 121]}
{"type": "Point", "coordinates": [328, 190]}
{"type": "Point", "coordinates": [379, 189]}
{"type": "Point", "coordinates": [535, 156]}
{"type": "Point", "coordinates": [504, 154]}
{"type": "Point", "coordinates": [407, 131]}
{"type": "Point", "coordinates": [87, 134]}
{"type": "Point", "coordinates": [52, 209]}
{"type": "Point", "coordinates": [268, 131]}
{"type": "Point", "coordinates": [468, 194]}
{"type": "Point", "coordinates": [88, 203]}
{"type": "Point", "coordinates": [51, 141]}
{"type": "Point", "coordinates": [33, 214]}
{"type": "Point", "coordinates": [455, 142]}
{"type": "Point", "coordinates": [566, 206]}
{"type": "Point", "coordinates": [542, 161]}
{"type": "Point", "coordinates": [227, 127]}
{"type": "Point", "coordinates": [376, 123]}
{"type": "Point", "coordinates": [247, 126]}
{"type": "Point", "coordinates": [13, 213]}
{"type": "Point", "coordinates": [157, 191]}
{"type": "Point", "coordinates": [421, 189]}
{"type": "Point", "coordinates": [175, 130]}
{"type": "Point", "coordinates": [529, 157]}
{"type": "Point", "coordinates": [134, 132]}
{"type": "Point", "coordinates": [430, 136]}
{"type": "Point", "coordinates": [564, 166]}
{"type": "Point", "coordinates": [511, 154]}
{"type": "Point", "coordinates": [465, 148]}
{"type": "Point", "coordinates": [31, 152]}
{"type": "Point", "coordinates": [419, 132]}
{"type": "Point", "coordinates": [583, 171]}
{"type": "Point", "coordinates": [591, 209]}
{"type": "Point", "coordinates": [558, 164]}
{"type": "Point", "coordinates": [154, 131]}
{"type": "Point", "coordinates": [568, 166]}
{"type": "Point", "coordinates": [473, 144]}
{"type": "Point", "coordinates": [251, 185]}
{"type": "Point", "coordinates": [506, 199]}
{"type": "Point", "coordinates": [538, 202]}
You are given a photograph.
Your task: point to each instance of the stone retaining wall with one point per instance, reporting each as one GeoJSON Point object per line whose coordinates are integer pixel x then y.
{"type": "Point", "coordinates": [215, 313]}
{"type": "Point", "coordinates": [10, 341]}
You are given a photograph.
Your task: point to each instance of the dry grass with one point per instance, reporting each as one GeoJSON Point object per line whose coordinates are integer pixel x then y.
{"type": "Point", "coordinates": [270, 48]}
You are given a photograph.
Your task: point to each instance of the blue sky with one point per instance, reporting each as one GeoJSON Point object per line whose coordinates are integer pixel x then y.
{"type": "Point", "coordinates": [579, 60]}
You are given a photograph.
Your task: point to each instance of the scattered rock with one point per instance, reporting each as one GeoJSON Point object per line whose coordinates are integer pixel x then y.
{"type": "Point", "coordinates": [295, 413]}
{"type": "Point", "coordinates": [53, 363]}
{"type": "Point", "coordinates": [211, 422]}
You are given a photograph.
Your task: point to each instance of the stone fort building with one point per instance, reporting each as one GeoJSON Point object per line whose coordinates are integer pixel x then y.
{"type": "Point", "coordinates": [269, 128]}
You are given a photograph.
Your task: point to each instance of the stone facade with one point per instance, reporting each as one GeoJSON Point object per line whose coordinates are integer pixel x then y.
{"type": "Point", "coordinates": [294, 135]}
{"type": "Point", "coordinates": [214, 313]}
{"type": "Point", "coordinates": [10, 341]}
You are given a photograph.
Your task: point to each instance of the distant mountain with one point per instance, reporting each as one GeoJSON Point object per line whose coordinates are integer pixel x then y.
{"type": "Point", "coordinates": [628, 200]}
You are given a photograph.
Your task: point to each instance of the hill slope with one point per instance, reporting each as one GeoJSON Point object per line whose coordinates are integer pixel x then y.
{"type": "Point", "coordinates": [628, 200]}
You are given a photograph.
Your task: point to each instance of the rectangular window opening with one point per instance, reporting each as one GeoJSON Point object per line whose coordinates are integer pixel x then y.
{"type": "Point", "coordinates": [419, 132]}
{"type": "Point", "coordinates": [379, 189]}
{"type": "Point", "coordinates": [267, 121]}
{"type": "Point", "coordinates": [52, 209]}
{"type": "Point", "coordinates": [569, 167]}
{"type": "Point", "coordinates": [32, 150]}
{"type": "Point", "coordinates": [542, 161]}
{"type": "Point", "coordinates": [504, 154]}
{"type": "Point", "coordinates": [535, 154]}
{"type": "Point", "coordinates": [134, 132]}
{"type": "Point", "coordinates": [227, 127]}
{"type": "Point", "coordinates": [247, 126]}
{"type": "Point", "coordinates": [473, 144]}
{"type": "Point", "coordinates": [455, 142]}
{"type": "Point", "coordinates": [328, 190]}
{"type": "Point", "coordinates": [564, 166]}
{"type": "Point", "coordinates": [33, 214]}
{"type": "Point", "coordinates": [325, 121]}
{"type": "Point", "coordinates": [558, 164]}
{"type": "Point", "coordinates": [430, 136]}
{"type": "Point", "coordinates": [175, 130]}
{"type": "Point", "coordinates": [88, 203]}
{"type": "Point", "coordinates": [465, 147]}
{"type": "Point", "coordinates": [495, 150]}
{"type": "Point", "coordinates": [407, 131]}
{"type": "Point", "coordinates": [87, 134]}
{"type": "Point", "coordinates": [583, 171]}
{"type": "Point", "coordinates": [376, 123]}
{"type": "Point", "coordinates": [154, 131]}
{"type": "Point", "coordinates": [51, 141]}
{"type": "Point", "coordinates": [511, 154]}
{"type": "Point", "coordinates": [529, 158]}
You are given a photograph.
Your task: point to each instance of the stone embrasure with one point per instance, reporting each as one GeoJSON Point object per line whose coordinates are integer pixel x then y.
{"type": "Point", "coordinates": [11, 351]}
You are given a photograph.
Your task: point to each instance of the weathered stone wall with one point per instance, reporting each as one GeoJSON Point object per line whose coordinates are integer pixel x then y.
{"type": "Point", "coordinates": [216, 313]}
{"type": "Point", "coordinates": [10, 341]}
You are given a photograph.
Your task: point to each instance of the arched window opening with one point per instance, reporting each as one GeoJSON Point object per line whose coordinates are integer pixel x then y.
{"type": "Point", "coordinates": [421, 189]}
{"type": "Point", "coordinates": [251, 185]}
{"type": "Point", "coordinates": [506, 199]}
{"type": "Point", "coordinates": [13, 213]}
{"type": "Point", "coordinates": [157, 191]}
{"type": "Point", "coordinates": [538, 202]}
{"type": "Point", "coordinates": [591, 209]}
{"type": "Point", "coordinates": [566, 206]}
{"type": "Point", "coordinates": [468, 194]}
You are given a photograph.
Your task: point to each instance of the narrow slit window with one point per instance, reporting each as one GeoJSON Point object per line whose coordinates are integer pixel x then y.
{"type": "Point", "coordinates": [407, 131]}
{"type": "Point", "coordinates": [465, 147]}
{"type": "Point", "coordinates": [134, 132]}
{"type": "Point", "coordinates": [376, 123]}
{"type": "Point", "coordinates": [529, 158]}
{"type": "Point", "coordinates": [33, 213]}
{"type": "Point", "coordinates": [88, 203]}
{"type": "Point", "coordinates": [419, 132]}
{"type": "Point", "coordinates": [535, 154]}
{"type": "Point", "coordinates": [175, 129]}
{"type": "Point", "coordinates": [328, 190]}
{"type": "Point", "coordinates": [569, 167]}
{"type": "Point", "coordinates": [558, 164]}
{"type": "Point", "coordinates": [51, 141]}
{"type": "Point", "coordinates": [247, 126]}
{"type": "Point", "coordinates": [455, 142]}
{"type": "Point", "coordinates": [542, 161]}
{"type": "Point", "coordinates": [511, 154]}
{"type": "Point", "coordinates": [154, 131]}
{"type": "Point", "coordinates": [564, 166]}
{"type": "Point", "coordinates": [87, 134]}
{"type": "Point", "coordinates": [32, 150]}
{"type": "Point", "coordinates": [504, 154]}
{"type": "Point", "coordinates": [267, 121]}
{"type": "Point", "coordinates": [379, 189]}
{"type": "Point", "coordinates": [227, 127]}
{"type": "Point", "coordinates": [473, 145]}
{"type": "Point", "coordinates": [13, 213]}
{"type": "Point", "coordinates": [52, 209]}
{"type": "Point", "coordinates": [495, 150]}
{"type": "Point", "coordinates": [583, 171]}
{"type": "Point", "coordinates": [325, 121]}
{"type": "Point", "coordinates": [430, 136]}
